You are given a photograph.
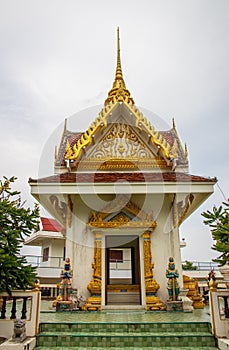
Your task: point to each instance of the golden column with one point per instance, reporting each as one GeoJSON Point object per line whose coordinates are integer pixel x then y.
{"type": "Point", "coordinates": [94, 301]}
{"type": "Point", "coordinates": [152, 301]}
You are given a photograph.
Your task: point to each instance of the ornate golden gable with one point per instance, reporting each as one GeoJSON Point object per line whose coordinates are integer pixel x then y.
{"type": "Point", "coordinates": [121, 142]}
{"type": "Point", "coordinates": [121, 148]}
{"type": "Point", "coordinates": [120, 95]}
{"type": "Point", "coordinates": [117, 214]}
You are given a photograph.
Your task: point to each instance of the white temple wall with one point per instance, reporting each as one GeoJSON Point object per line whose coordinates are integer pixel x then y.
{"type": "Point", "coordinates": [165, 240]}
{"type": "Point", "coordinates": [165, 243]}
{"type": "Point", "coordinates": [80, 246]}
{"type": "Point", "coordinates": [57, 248]}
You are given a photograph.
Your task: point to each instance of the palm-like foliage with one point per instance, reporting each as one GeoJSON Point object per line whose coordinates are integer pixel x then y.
{"type": "Point", "coordinates": [218, 221]}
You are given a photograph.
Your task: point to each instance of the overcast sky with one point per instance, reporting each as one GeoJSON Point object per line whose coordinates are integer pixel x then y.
{"type": "Point", "coordinates": [58, 58]}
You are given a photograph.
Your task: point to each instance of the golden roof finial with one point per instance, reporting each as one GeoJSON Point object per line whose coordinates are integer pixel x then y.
{"type": "Point", "coordinates": [119, 93]}
{"type": "Point", "coordinates": [118, 74]}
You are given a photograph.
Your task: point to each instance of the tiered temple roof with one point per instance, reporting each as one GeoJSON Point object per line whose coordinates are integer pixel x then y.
{"type": "Point", "coordinates": [121, 144]}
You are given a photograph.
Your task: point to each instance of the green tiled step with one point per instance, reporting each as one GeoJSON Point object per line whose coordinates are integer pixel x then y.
{"type": "Point", "coordinates": [130, 334]}
{"type": "Point", "coordinates": [124, 340]}
{"type": "Point", "coordinates": [125, 336]}
{"type": "Point", "coordinates": [127, 348]}
{"type": "Point", "coordinates": [195, 327]}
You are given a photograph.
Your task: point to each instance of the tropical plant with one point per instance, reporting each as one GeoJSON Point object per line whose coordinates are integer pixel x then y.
{"type": "Point", "coordinates": [16, 222]}
{"type": "Point", "coordinates": [188, 266]}
{"type": "Point", "coordinates": [218, 221]}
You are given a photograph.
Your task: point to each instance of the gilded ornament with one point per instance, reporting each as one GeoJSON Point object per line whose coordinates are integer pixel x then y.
{"type": "Point", "coordinates": [212, 284]}
{"type": "Point", "coordinates": [121, 142]}
{"type": "Point", "coordinates": [87, 136]}
{"type": "Point", "coordinates": [94, 301]}
{"type": "Point", "coordinates": [184, 151]}
{"type": "Point", "coordinates": [118, 94]}
{"type": "Point", "coordinates": [68, 151]}
{"type": "Point", "coordinates": [152, 301]}
{"type": "Point", "coordinates": [103, 163]}
{"type": "Point", "coordinates": [141, 219]}
{"type": "Point", "coordinates": [125, 223]}
{"type": "Point", "coordinates": [156, 138]}
{"type": "Point", "coordinates": [174, 150]}
{"type": "Point", "coordinates": [36, 287]}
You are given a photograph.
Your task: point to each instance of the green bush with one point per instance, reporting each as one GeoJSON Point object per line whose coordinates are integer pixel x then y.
{"type": "Point", "coordinates": [16, 222]}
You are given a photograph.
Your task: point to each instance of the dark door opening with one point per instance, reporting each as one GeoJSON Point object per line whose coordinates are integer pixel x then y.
{"type": "Point", "coordinates": [122, 270]}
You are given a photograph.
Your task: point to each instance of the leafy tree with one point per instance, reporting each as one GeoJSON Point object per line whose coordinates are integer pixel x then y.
{"type": "Point", "coordinates": [188, 266]}
{"type": "Point", "coordinates": [218, 221]}
{"type": "Point", "coordinates": [16, 222]}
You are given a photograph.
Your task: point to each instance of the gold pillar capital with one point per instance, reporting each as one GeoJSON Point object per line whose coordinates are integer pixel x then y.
{"type": "Point", "coordinates": [98, 235]}
{"type": "Point", "coordinates": [147, 234]}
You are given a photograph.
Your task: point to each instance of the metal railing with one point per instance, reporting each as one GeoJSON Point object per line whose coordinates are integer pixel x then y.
{"type": "Point", "coordinates": [54, 262]}
{"type": "Point", "coordinates": [200, 265]}
{"type": "Point", "coordinates": [58, 261]}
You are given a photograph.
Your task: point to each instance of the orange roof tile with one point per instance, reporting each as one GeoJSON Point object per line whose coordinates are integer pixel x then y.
{"type": "Point", "coordinates": [52, 225]}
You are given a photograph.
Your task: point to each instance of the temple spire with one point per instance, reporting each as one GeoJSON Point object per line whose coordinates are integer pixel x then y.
{"type": "Point", "coordinates": [119, 93]}
{"type": "Point", "coordinates": [118, 75]}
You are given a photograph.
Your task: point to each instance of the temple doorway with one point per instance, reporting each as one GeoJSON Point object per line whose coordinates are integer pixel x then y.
{"type": "Point", "coordinates": [122, 270]}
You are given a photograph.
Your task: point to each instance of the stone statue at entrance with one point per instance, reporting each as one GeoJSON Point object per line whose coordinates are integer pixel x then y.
{"type": "Point", "coordinates": [173, 286]}
{"type": "Point", "coordinates": [19, 334]}
{"type": "Point", "coordinates": [66, 283]}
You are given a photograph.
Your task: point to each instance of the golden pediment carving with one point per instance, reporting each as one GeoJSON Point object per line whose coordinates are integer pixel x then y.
{"type": "Point", "coordinates": [129, 224]}
{"type": "Point", "coordinates": [123, 145]}
{"type": "Point", "coordinates": [120, 164]}
{"type": "Point", "coordinates": [121, 212]}
{"type": "Point", "coordinates": [121, 218]}
{"type": "Point", "coordinates": [121, 142]}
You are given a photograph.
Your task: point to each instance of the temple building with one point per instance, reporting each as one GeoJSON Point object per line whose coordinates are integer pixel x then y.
{"type": "Point", "coordinates": [121, 190]}
{"type": "Point", "coordinates": [51, 239]}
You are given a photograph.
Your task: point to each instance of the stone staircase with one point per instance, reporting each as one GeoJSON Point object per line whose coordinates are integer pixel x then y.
{"type": "Point", "coordinates": [129, 336]}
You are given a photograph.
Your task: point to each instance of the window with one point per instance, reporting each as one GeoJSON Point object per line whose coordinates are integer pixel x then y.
{"type": "Point", "coordinates": [116, 256]}
{"type": "Point", "coordinates": [45, 254]}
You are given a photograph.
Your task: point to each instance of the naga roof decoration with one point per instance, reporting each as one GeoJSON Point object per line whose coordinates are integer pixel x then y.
{"type": "Point", "coordinates": [87, 137]}
{"type": "Point", "coordinates": [165, 144]}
